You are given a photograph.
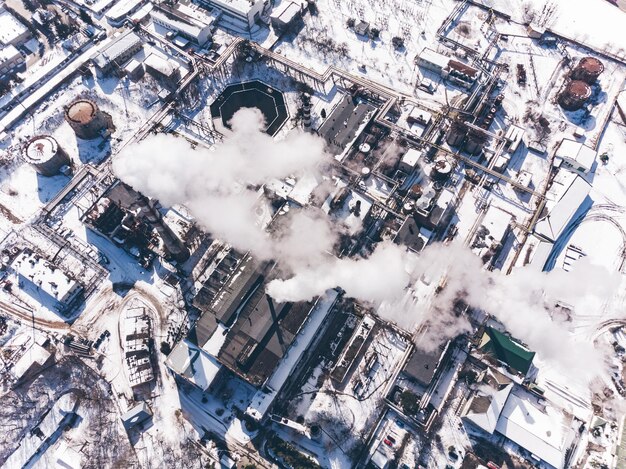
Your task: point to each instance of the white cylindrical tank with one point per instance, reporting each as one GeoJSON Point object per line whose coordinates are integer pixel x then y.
{"type": "Point", "coordinates": [45, 155]}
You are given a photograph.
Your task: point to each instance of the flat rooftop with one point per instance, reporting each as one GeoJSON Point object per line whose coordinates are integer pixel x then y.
{"type": "Point", "coordinates": [257, 332]}
{"type": "Point", "coordinates": [45, 276]}
{"type": "Point", "coordinates": [10, 28]}
{"type": "Point", "coordinates": [343, 124]}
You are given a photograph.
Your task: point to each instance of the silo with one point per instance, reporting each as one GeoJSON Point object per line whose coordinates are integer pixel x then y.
{"type": "Point", "coordinates": [442, 169]}
{"type": "Point", "coordinates": [588, 70]}
{"type": "Point", "coordinates": [574, 95]}
{"type": "Point", "coordinates": [86, 119]}
{"type": "Point", "coordinates": [45, 155]}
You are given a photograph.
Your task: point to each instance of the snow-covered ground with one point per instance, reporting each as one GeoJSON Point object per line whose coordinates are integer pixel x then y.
{"type": "Point", "coordinates": [326, 40]}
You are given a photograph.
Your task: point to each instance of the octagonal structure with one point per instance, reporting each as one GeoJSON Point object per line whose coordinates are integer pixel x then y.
{"type": "Point", "coordinates": [251, 94]}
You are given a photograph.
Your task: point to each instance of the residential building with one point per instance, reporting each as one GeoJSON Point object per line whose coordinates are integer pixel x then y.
{"type": "Point", "coordinates": [12, 31]}
{"type": "Point", "coordinates": [136, 415]}
{"type": "Point", "coordinates": [11, 60]}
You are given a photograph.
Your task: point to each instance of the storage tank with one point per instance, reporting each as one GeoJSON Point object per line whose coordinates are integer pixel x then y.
{"type": "Point", "coordinates": [588, 70]}
{"type": "Point", "coordinates": [86, 119]}
{"type": "Point", "coordinates": [442, 169]}
{"type": "Point", "coordinates": [456, 133]}
{"type": "Point", "coordinates": [574, 95]}
{"type": "Point", "coordinates": [45, 155]}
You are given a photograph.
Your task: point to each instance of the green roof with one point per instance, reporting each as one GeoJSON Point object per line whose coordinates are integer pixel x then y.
{"type": "Point", "coordinates": [507, 350]}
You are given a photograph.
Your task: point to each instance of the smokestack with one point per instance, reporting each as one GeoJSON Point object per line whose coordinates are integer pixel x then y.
{"type": "Point", "coordinates": [306, 110]}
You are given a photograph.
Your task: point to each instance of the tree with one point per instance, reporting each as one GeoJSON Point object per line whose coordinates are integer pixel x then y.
{"type": "Point", "coordinates": [350, 23]}
{"type": "Point", "coordinates": [85, 16]}
{"type": "Point", "coordinates": [398, 42]}
{"type": "Point", "coordinates": [409, 402]}
{"type": "Point", "coordinates": [165, 348]}
{"type": "Point", "coordinates": [374, 33]}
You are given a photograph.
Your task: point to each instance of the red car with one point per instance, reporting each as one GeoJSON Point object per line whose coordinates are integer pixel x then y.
{"type": "Point", "coordinates": [492, 465]}
{"type": "Point", "coordinates": [388, 443]}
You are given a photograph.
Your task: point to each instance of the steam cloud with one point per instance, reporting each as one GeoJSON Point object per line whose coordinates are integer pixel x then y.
{"type": "Point", "coordinates": [220, 188]}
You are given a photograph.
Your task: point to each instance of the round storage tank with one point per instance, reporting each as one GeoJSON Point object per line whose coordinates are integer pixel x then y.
{"type": "Point", "coordinates": [574, 95]}
{"type": "Point", "coordinates": [86, 119]}
{"type": "Point", "coordinates": [45, 155]}
{"type": "Point", "coordinates": [588, 70]}
{"type": "Point", "coordinates": [442, 168]}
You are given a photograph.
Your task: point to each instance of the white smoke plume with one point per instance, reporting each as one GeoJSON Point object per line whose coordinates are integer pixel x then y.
{"type": "Point", "coordinates": [519, 300]}
{"type": "Point", "coordinates": [220, 189]}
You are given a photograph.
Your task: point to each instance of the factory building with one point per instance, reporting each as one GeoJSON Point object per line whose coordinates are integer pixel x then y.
{"type": "Point", "coordinates": [245, 331]}
{"type": "Point", "coordinates": [503, 350]}
{"type": "Point", "coordinates": [575, 156]}
{"type": "Point", "coordinates": [45, 155]}
{"type": "Point", "coordinates": [118, 52]}
{"type": "Point", "coordinates": [237, 14]}
{"type": "Point", "coordinates": [566, 197]}
{"type": "Point", "coordinates": [185, 21]}
{"type": "Point", "coordinates": [345, 122]}
{"type": "Point", "coordinates": [120, 11]}
{"type": "Point", "coordinates": [11, 60]}
{"type": "Point", "coordinates": [12, 31]}
{"type": "Point", "coordinates": [500, 407]}
{"type": "Point", "coordinates": [163, 69]}
{"type": "Point", "coordinates": [45, 282]}
{"type": "Point", "coordinates": [456, 72]}
{"type": "Point", "coordinates": [87, 120]}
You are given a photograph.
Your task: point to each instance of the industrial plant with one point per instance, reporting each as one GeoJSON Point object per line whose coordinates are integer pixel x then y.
{"type": "Point", "coordinates": [312, 234]}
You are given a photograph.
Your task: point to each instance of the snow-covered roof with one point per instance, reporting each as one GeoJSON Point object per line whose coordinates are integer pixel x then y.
{"type": "Point", "coordinates": [10, 28]}
{"type": "Point", "coordinates": [67, 457]}
{"type": "Point", "coordinates": [34, 355]}
{"type": "Point", "coordinates": [8, 54]}
{"type": "Point", "coordinates": [190, 26]}
{"type": "Point", "coordinates": [578, 154]}
{"type": "Point", "coordinates": [541, 431]}
{"type": "Point", "coordinates": [541, 254]}
{"type": "Point", "coordinates": [161, 65]}
{"type": "Point", "coordinates": [46, 277]}
{"type": "Point", "coordinates": [121, 9]}
{"type": "Point", "coordinates": [241, 6]}
{"type": "Point", "coordinates": [286, 12]}
{"type": "Point", "coordinates": [117, 48]}
{"type": "Point", "coordinates": [557, 219]}
{"type": "Point", "coordinates": [484, 409]}
{"type": "Point", "coordinates": [435, 58]}
{"type": "Point", "coordinates": [411, 157]}
{"type": "Point", "coordinates": [263, 399]}
{"type": "Point", "coordinates": [135, 415]}
{"type": "Point", "coordinates": [194, 364]}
